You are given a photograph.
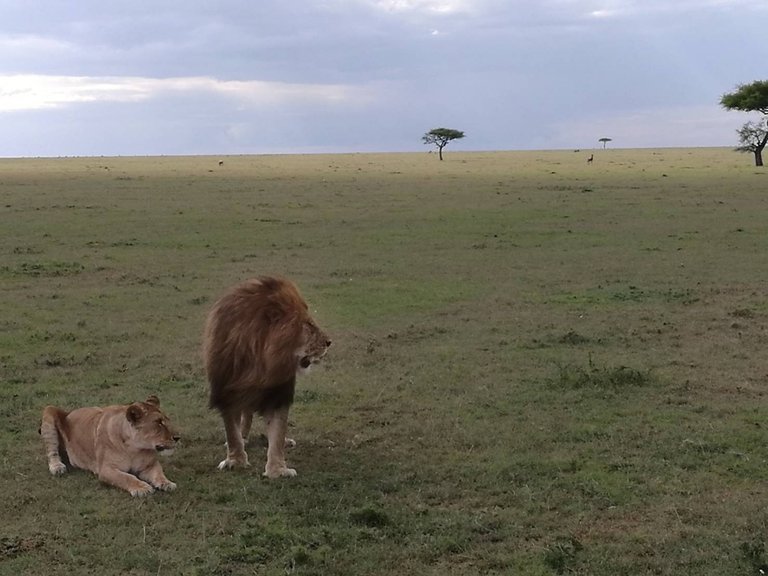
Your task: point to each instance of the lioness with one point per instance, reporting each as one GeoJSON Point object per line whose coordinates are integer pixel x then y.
{"type": "Point", "coordinates": [119, 444]}
{"type": "Point", "coordinates": [258, 336]}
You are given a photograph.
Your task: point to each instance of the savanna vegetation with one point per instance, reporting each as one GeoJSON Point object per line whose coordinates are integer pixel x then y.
{"type": "Point", "coordinates": [540, 366]}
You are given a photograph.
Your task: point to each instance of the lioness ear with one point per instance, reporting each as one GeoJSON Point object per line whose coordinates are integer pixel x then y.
{"type": "Point", "coordinates": [152, 399]}
{"type": "Point", "coordinates": [134, 413]}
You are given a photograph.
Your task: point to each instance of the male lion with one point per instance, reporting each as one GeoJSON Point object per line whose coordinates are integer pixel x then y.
{"type": "Point", "coordinates": [258, 336]}
{"type": "Point", "coordinates": [120, 444]}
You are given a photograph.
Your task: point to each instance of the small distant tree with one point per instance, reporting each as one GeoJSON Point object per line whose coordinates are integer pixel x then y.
{"type": "Point", "coordinates": [440, 138]}
{"type": "Point", "coordinates": [605, 141]}
{"type": "Point", "coordinates": [753, 138]}
{"type": "Point", "coordinates": [750, 98]}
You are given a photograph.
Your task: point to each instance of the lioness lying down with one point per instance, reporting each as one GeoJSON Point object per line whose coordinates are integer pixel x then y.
{"type": "Point", "coordinates": [119, 444]}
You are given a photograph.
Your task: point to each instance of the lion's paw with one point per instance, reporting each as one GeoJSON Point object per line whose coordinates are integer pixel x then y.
{"type": "Point", "coordinates": [280, 473]}
{"type": "Point", "coordinates": [290, 443]}
{"type": "Point", "coordinates": [230, 463]}
{"type": "Point", "coordinates": [57, 468]}
{"type": "Point", "coordinates": [144, 490]}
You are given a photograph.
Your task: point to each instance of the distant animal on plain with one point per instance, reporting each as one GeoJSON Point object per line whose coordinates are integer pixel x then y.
{"type": "Point", "coordinates": [258, 336]}
{"type": "Point", "coordinates": [221, 162]}
{"type": "Point", "coordinates": [591, 157]}
{"type": "Point", "coordinates": [120, 444]}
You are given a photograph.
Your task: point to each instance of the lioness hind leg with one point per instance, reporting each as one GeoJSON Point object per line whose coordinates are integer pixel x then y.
{"type": "Point", "coordinates": [236, 455]}
{"type": "Point", "coordinates": [50, 432]}
{"type": "Point", "coordinates": [277, 426]}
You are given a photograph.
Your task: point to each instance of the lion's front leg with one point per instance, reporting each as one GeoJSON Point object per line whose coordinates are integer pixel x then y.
{"type": "Point", "coordinates": [155, 476]}
{"type": "Point", "coordinates": [236, 455]}
{"type": "Point", "coordinates": [277, 426]}
{"type": "Point", "coordinates": [127, 482]}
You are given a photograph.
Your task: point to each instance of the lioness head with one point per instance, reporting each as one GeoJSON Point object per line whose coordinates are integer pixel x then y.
{"type": "Point", "coordinates": [151, 429]}
{"type": "Point", "coordinates": [314, 345]}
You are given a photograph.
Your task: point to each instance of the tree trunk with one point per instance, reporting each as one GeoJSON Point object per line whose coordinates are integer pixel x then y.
{"type": "Point", "coordinates": [440, 152]}
{"type": "Point", "coordinates": [759, 149]}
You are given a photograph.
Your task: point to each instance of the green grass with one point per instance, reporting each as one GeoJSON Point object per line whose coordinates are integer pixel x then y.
{"type": "Point", "coordinates": [539, 366]}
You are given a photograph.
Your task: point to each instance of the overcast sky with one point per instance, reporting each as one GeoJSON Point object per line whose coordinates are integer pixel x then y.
{"type": "Point", "coordinates": [283, 76]}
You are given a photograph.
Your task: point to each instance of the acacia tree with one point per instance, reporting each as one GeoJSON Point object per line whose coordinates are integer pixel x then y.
{"type": "Point", "coordinates": [750, 98]}
{"type": "Point", "coordinates": [440, 138]}
{"type": "Point", "coordinates": [753, 138]}
{"type": "Point", "coordinates": [604, 141]}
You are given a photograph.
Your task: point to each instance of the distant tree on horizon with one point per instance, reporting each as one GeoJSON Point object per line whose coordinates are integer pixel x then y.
{"type": "Point", "coordinates": [440, 138]}
{"type": "Point", "coordinates": [753, 138]}
{"type": "Point", "coordinates": [750, 98]}
{"type": "Point", "coordinates": [605, 141]}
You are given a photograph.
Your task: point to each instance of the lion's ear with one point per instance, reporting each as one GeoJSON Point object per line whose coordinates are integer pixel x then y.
{"type": "Point", "coordinates": [134, 413]}
{"type": "Point", "coordinates": [152, 399]}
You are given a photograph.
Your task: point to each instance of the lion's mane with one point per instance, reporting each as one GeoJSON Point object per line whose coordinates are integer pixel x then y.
{"type": "Point", "coordinates": [250, 343]}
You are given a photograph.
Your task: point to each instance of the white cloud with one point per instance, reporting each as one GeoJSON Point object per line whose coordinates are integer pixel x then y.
{"type": "Point", "coordinates": [633, 8]}
{"type": "Point", "coordinates": [34, 92]}
{"type": "Point", "coordinates": [32, 43]}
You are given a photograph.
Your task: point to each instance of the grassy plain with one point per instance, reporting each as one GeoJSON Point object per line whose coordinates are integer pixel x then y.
{"type": "Point", "coordinates": [540, 366]}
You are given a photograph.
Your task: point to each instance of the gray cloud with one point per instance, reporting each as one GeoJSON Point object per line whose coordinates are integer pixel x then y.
{"type": "Point", "coordinates": [344, 75]}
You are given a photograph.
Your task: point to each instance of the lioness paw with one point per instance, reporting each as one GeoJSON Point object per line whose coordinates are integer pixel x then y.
{"type": "Point", "coordinates": [290, 443]}
{"type": "Point", "coordinates": [144, 490]}
{"type": "Point", "coordinates": [57, 468]}
{"type": "Point", "coordinates": [279, 472]}
{"type": "Point", "coordinates": [167, 486]}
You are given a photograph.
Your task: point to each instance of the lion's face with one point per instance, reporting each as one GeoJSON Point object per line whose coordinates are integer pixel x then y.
{"type": "Point", "coordinates": [314, 346]}
{"type": "Point", "coordinates": [150, 427]}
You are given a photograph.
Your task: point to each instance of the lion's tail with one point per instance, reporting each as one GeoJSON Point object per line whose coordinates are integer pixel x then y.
{"type": "Point", "coordinates": [50, 431]}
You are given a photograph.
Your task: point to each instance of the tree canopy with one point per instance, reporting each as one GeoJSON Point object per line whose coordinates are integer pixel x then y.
{"type": "Point", "coordinates": [440, 137]}
{"type": "Point", "coordinates": [748, 98]}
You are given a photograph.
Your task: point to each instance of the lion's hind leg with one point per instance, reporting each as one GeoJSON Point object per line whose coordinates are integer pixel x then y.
{"type": "Point", "coordinates": [236, 456]}
{"type": "Point", "coordinates": [246, 421]}
{"type": "Point", "coordinates": [50, 431]}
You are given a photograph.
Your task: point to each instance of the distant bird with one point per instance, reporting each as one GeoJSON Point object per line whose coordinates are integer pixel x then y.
{"type": "Point", "coordinates": [591, 157]}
